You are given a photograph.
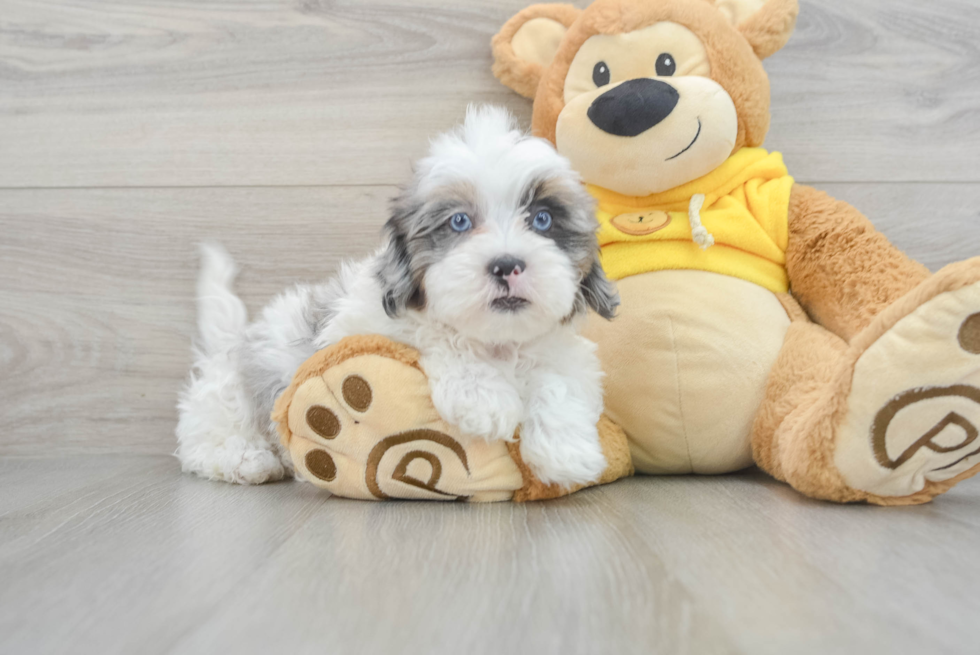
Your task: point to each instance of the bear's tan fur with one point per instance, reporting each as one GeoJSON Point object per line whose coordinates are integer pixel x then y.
{"type": "Point", "coordinates": [852, 291]}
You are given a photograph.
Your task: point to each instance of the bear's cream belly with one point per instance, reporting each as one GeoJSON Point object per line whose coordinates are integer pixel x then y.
{"type": "Point", "coordinates": [686, 364]}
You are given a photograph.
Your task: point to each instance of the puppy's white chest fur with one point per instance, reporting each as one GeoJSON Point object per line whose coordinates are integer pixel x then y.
{"type": "Point", "coordinates": [503, 353]}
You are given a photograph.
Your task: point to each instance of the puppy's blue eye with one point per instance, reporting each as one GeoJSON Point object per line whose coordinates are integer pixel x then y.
{"type": "Point", "coordinates": [542, 221]}
{"type": "Point", "coordinates": [460, 222]}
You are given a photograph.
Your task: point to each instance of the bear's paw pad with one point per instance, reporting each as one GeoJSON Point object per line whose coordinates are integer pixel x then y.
{"type": "Point", "coordinates": [359, 422]}
{"type": "Point", "coordinates": [920, 422]}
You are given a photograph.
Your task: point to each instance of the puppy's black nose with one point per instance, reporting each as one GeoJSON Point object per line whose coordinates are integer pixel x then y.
{"type": "Point", "coordinates": [504, 267]}
{"type": "Point", "coordinates": [633, 107]}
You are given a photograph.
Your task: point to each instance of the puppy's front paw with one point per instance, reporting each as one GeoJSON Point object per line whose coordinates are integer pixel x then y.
{"type": "Point", "coordinates": [488, 408]}
{"type": "Point", "coordinates": [567, 456]}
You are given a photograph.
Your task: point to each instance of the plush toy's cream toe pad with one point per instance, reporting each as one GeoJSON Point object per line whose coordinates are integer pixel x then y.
{"type": "Point", "coordinates": [913, 414]}
{"type": "Point", "coordinates": [359, 422]}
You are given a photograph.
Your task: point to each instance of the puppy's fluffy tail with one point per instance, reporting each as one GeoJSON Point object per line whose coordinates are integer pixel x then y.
{"type": "Point", "coordinates": [221, 315]}
{"type": "Point", "coordinates": [217, 437]}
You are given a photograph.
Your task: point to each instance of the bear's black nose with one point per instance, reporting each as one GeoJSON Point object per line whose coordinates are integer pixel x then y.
{"type": "Point", "coordinates": [633, 107]}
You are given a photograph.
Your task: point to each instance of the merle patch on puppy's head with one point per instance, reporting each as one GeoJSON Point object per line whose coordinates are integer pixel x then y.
{"type": "Point", "coordinates": [495, 236]}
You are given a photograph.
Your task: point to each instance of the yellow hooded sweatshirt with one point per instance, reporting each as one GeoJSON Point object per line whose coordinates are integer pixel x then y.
{"type": "Point", "coordinates": [745, 210]}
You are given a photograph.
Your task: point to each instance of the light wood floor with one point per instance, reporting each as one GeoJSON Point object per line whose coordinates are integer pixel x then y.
{"type": "Point", "coordinates": [130, 130]}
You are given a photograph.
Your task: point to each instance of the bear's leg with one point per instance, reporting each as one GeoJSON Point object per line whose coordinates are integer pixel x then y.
{"type": "Point", "coordinates": [789, 441]}
{"type": "Point", "coordinates": [893, 417]}
{"type": "Point", "coordinates": [841, 270]}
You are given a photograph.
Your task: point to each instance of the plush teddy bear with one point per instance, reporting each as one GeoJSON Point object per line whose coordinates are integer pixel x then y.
{"type": "Point", "coordinates": [761, 320]}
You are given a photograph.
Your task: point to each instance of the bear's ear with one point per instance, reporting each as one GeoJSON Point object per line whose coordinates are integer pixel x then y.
{"type": "Point", "coordinates": [765, 24]}
{"type": "Point", "coordinates": [527, 43]}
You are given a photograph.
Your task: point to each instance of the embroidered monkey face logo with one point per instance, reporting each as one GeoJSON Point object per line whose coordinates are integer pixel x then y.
{"type": "Point", "coordinates": [645, 96]}
{"type": "Point", "coordinates": [640, 224]}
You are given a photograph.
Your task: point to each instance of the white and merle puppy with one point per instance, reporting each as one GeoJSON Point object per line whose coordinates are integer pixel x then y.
{"type": "Point", "coordinates": [491, 260]}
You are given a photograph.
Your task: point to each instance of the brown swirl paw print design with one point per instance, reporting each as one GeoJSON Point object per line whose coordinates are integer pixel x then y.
{"type": "Point", "coordinates": [913, 416]}
{"type": "Point", "coordinates": [954, 432]}
{"type": "Point", "coordinates": [359, 422]}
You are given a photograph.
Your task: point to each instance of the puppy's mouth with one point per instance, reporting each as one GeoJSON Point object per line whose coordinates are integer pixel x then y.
{"type": "Point", "coordinates": [509, 304]}
{"type": "Point", "coordinates": [690, 145]}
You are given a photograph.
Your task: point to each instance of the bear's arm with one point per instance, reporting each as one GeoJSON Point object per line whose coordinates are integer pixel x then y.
{"type": "Point", "coordinates": [841, 269]}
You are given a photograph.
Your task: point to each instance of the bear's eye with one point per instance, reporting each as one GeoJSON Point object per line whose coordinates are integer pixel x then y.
{"type": "Point", "coordinates": [600, 74]}
{"type": "Point", "coordinates": [666, 66]}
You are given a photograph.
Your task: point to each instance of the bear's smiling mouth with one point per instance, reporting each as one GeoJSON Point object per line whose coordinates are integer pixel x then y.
{"type": "Point", "coordinates": [690, 144]}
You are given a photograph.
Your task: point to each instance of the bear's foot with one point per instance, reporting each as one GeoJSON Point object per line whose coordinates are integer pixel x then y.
{"type": "Point", "coordinates": [359, 422]}
{"type": "Point", "coordinates": [910, 428]}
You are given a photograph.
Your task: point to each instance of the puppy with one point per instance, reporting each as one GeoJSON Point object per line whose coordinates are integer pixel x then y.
{"type": "Point", "coordinates": [491, 258]}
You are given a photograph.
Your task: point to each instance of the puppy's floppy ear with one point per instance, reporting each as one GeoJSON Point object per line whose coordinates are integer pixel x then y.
{"type": "Point", "coordinates": [597, 292]}
{"type": "Point", "coordinates": [527, 43]}
{"type": "Point", "coordinates": [765, 24]}
{"type": "Point", "coordinates": [400, 284]}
